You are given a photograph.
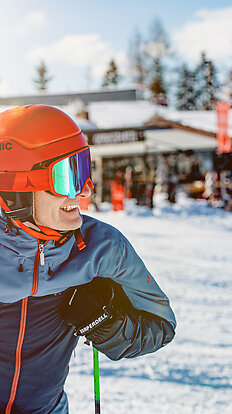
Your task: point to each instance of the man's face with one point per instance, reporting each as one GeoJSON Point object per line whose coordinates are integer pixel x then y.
{"type": "Point", "coordinates": [58, 213]}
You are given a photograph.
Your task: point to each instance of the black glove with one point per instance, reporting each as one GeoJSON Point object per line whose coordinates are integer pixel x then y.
{"type": "Point", "coordinates": [96, 309]}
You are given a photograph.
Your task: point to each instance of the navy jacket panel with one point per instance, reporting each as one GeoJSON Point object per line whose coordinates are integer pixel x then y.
{"type": "Point", "coordinates": [47, 348]}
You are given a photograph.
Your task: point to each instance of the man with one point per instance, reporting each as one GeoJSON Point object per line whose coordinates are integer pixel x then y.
{"type": "Point", "coordinates": [62, 275]}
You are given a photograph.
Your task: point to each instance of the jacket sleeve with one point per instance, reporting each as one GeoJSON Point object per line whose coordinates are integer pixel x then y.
{"type": "Point", "coordinates": [150, 322]}
{"type": "Point", "coordinates": [139, 334]}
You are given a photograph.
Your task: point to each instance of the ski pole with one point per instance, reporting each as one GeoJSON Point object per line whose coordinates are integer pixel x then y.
{"type": "Point", "coordinates": [96, 381]}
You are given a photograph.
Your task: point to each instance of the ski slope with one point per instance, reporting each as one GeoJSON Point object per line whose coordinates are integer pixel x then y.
{"type": "Point", "coordinates": [187, 247]}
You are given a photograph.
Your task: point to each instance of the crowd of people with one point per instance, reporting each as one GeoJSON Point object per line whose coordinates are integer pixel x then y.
{"type": "Point", "coordinates": [211, 182]}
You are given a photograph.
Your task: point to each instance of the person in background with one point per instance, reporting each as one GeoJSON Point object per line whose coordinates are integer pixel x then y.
{"type": "Point", "coordinates": [117, 191]}
{"type": "Point", "coordinates": [150, 186]}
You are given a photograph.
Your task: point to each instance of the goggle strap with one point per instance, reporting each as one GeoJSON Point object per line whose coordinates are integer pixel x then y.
{"type": "Point", "coordinates": [79, 239]}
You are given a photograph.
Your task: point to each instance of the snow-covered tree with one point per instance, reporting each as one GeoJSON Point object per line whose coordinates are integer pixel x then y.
{"type": "Point", "coordinates": [206, 84]}
{"type": "Point", "coordinates": [185, 92]}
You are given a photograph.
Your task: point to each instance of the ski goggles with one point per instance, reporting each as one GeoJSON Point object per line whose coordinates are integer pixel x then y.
{"type": "Point", "coordinates": [69, 176]}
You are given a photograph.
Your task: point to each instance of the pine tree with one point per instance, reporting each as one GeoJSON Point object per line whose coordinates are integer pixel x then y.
{"type": "Point", "coordinates": [111, 77]}
{"type": "Point", "coordinates": [42, 79]}
{"type": "Point", "coordinates": [157, 85]}
{"type": "Point", "coordinates": [138, 59]}
{"type": "Point", "coordinates": [147, 60]}
{"type": "Point", "coordinates": [157, 47]}
{"type": "Point", "coordinates": [185, 94]}
{"type": "Point", "coordinates": [207, 84]}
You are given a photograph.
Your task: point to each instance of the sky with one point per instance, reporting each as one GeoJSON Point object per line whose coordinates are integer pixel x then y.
{"type": "Point", "coordinates": [77, 39]}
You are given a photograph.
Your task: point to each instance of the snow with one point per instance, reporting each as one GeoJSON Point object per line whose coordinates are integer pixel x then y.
{"type": "Point", "coordinates": [72, 110]}
{"type": "Point", "coordinates": [120, 114]}
{"type": "Point", "coordinates": [187, 247]}
{"type": "Point", "coordinates": [203, 120]}
{"type": "Point", "coordinates": [136, 113]}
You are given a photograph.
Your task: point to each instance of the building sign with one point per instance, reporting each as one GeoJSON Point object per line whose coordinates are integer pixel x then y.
{"type": "Point", "coordinates": [113, 136]}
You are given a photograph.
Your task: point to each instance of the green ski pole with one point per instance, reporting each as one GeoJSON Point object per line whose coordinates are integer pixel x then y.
{"type": "Point", "coordinates": [96, 381]}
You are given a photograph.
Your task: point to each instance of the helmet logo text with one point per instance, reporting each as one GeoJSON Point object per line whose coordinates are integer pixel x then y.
{"type": "Point", "coordinates": [5, 146]}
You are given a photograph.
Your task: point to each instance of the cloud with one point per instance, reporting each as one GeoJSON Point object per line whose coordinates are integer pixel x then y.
{"type": "Point", "coordinates": [210, 31]}
{"type": "Point", "coordinates": [31, 22]}
{"type": "Point", "coordinates": [35, 20]}
{"type": "Point", "coordinates": [80, 51]}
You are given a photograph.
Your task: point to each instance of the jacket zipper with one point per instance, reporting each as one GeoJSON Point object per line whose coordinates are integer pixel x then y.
{"type": "Point", "coordinates": [41, 249]}
{"type": "Point", "coordinates": [38, 257]}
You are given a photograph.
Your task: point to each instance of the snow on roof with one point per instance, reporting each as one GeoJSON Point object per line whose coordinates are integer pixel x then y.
{"type": "Point", "coordinates": [72, 110]}
{"type": "Point", "coordinates": [203, 120]}
{"type": "Point", "coordinates": [136, 113]}
{"type": "Point", "coordinates": [120, 114]}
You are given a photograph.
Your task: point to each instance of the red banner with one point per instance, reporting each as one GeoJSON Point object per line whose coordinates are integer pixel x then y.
{"type": "Point", "coordinates": [223, 138]}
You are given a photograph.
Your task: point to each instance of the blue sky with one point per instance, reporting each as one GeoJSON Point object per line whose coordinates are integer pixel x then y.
{"type": "Point", "coordinates": [77, 39]}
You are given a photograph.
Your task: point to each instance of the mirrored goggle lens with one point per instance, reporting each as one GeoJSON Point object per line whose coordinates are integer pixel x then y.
{"type": "Point", "coordinates": [70, 174]}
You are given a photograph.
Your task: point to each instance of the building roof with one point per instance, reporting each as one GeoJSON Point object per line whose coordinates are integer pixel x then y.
{"type": "Point", "coordinates": [170, 128]}
{"type": "Point", "coordinates": [198, 121]}
{"type": "Point", "coordinates": [181, 130]}
{"type": "Point", "coordinates": [64, 99]}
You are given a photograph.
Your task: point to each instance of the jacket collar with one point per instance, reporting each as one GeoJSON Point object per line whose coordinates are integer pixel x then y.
{"type": "Point", "coordinates": [19, 236]}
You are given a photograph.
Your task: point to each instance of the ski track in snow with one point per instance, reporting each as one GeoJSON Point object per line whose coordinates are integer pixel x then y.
{"type": "Point", "coordinates": [187, 247]}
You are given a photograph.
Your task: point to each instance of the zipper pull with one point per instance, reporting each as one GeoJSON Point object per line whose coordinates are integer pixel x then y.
{"type": "Point", "coordinates": [41, 249]}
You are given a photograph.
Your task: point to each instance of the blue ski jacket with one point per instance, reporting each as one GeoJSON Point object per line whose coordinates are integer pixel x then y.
{"type": "Point", "coordinates": [35, 343]}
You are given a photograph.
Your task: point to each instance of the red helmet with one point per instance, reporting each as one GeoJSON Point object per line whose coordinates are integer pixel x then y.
{"type": "Point", "coordinates": [33, 139]}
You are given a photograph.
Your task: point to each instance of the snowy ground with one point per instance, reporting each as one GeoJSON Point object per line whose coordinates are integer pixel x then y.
{"type": "Point", "coordinates": [188, 249]}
